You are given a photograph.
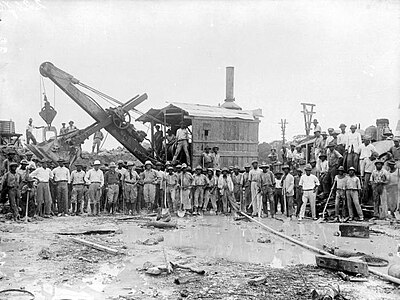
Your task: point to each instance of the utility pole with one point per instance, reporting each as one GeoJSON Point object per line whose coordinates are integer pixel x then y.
{"type": "Point", "coordinates": [283, 124]}
{"type": "Point", "coordinates": [308, 111]}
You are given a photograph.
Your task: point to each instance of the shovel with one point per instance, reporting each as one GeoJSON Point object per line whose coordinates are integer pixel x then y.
{"type": "Point", "coordinates": [326, 205]}
{"type": "Point", "coordinates": [26, 208]}
{"type": "Point", "coordinates": [165, 210]}
{"type": "Point", "coordinates": [181, 212]}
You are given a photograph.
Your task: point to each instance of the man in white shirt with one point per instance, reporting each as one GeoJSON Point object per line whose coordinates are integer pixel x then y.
{"type": "Point", "coordinates": [309, 184]}
{"type": "Point", "coordinates": [342, 139]}
{"type": "Point", "coordinates": [61, 178]}
{"type": "Point", "coordinates": [365, 151]}
{"type": "Point", "coordinates": [29, 132]}
{"type": "Point", "coordinates": [43, 196]}
{"type": "Point", "coordinates": [95, 178]}
{"type": "Point", "coordinates": [182, 137]}
{"type": "Point", "coordinates": [316, 126]}
{"type": "Point", "coordinates": [255, 184]}
{"type": "Point", "coordinates": [78, 188]}
{"type": "Point", "coordinates": [353, 143]}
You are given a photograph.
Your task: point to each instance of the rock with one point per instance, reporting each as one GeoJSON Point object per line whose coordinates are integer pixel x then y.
{"type": "Point", "coordinates": [153, 271]}
{"type": "Point", "coordinates": [263, 240]}
{"type": "Point", "coordinates": [147, 265]}
{"type": "Point", "coordinates": [45, 253]}
{"type": "Point", "coordinates": [184, 293]}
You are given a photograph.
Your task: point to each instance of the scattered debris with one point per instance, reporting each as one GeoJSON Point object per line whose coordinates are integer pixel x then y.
{"type": "Point", "coordinates": [263, 240]}
{"type": "Point", "coordinates": [151, 241]}
{"type": "Point", "coordinates": [154, 271]}
{"type": "Point", "coordinates": [257, 281]}
{"type": "Point", "coordinates": [176, 265]}
{"type": "Point", "coordinates": [342, 264]}
{"type": "Point", "coordinates": [91, 231]}
{"type": "Point", "coordinates": [161, 224]}
{"type": "Point", "coordinates": [96, 246]}
{"type": "Point", "coordinates": [351, 230]}
{"type": "Point", "coordinates": [183, 280]}
{"type": "Point", "coordinates": [45, 253]}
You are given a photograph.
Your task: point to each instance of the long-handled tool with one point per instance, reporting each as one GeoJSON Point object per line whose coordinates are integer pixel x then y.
{"type": "Point", "coordinates": [181, 212]}
{"type": "Point", "coordinates": [26, 208]}
{"type": "Point", "coordinates": [326, 204]}
{"type": "Point", "coordinates": [165, 210]}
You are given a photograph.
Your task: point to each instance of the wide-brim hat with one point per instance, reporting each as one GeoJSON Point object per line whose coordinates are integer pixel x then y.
{"type": "Point", "coordinates": [225, 169]}
{"type": "Point", "coordinates": [207, 147]}
{"type": "Point", "coordinates": [254, 162]}
{"type": "Point", "coordinates": [112, 165]}
{"type": "Point", "coordinates": [131, 163]}
{"type": "Point", "coordinates": [278, 172]}
{"type": "Point", "coordinates": [342, 125]}
{"type": "Point", "coordinates": [352, 169]}
{"type": "Point", "coordinates": [285, 167]}
{"type": "Point", "coordinates": [341, 168]}
{"type": "Point", "coordinates": [148, 162]}
{"type": "Point", "coordinates": [324, 133]}
{"type": "Point", "coordinates": [184, 165]}
{"type": "Point", "coordinates": [178, 166]}
{"type": "Point", "coordinates": [215, 147]}
{"type": "Point", "coordinates": [120, 162]}
{"type": "Point", "coordinates": [236, 167]}
{"type": "Point", "coordinates": [299, 170]}
{"type": "Point", "coordinates": [353, 126]}
{"type": "Point", "coordinates": [331, 144]}
{"type": "Point", "coordinates": [247, 167]}
{"type": "Point", "coordinates": [78, 164]}
{"type": "Point", "coordinates": [378, 161]}
{"type": "Point", "coordinates": [159, 163]}
{"type": "Point", "coordinates": [13, 164]}
{"type": "Point", "coordinates": [60, 160]}
{"type": "Point", "coordinates": [264, 165]}
{"type": "Point", "coordinates": [391, 162]}
{"type": "Point", "coordinates": [29, 153]}
{"type": "Point", "coordinates": [308, 167]}
{"type": "Point", "coordinates": [170, 168]}
{"type": "Point", "coordinates": [24, 162]}
{"type": "Point", "coordinates": [71, 122]}
{"type": "Point", "coordinates": [199, 168]}
{"type": "Point", "coordinates": [96, 163]}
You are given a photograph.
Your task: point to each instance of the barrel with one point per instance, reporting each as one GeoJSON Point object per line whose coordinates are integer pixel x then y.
{"type": "Point", "coordinates": [7, 127]}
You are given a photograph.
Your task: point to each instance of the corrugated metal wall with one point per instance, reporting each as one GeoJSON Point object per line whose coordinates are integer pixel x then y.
{"type": "Point", "coordinates": [236, 139]}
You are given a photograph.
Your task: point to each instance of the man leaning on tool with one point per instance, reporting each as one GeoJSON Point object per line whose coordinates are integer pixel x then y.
{"type": "Point", "coordinates": [309, 184]}
{"type": "Point", "coordinates": [95, 178]}
{"type": "Point", "coordinates": [62, 178]}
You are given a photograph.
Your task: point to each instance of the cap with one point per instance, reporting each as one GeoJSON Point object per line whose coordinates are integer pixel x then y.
{"type": "Point", "coordinates": [131, 163]}
{"type": "Point", "coordinates": [315, 121]}
{"type": "Point", "coordinates": [352, 169]}
{"type": "Point", "coordinates": [341, 168]}
{"type": "Point", "coordinates": [308, 167]}
{"type": "Point", "coordinates": [207, 147]}
{"type": "Point", "coordinates": [285, 167]}
{"type": "Point", "coordinates": [225, 169]}
{"type": "Point", "coordinates": [120, 162]}
{"type": "Point", "coordinates": [217, 170]}
{"type": "Point", "coordinates": [71, 122]}
{"type": "Point", "coordinates": [210, 169]}
{"type": "Point", "coordinates": [24, 162]}
{"type": "Point", "coordinates": [28, 153]}
{"type": "Point", "coordinates": [78, 164]}
{"type": "Point", "coordinates": [60, 160]}
{"type": "Point", "coordinates": [330, 129]}
{"type": "Point", "coordinates": [148, 162]}
{"type": "Point", "coordinates": [293, 144]}
{"type": "Point", "coordinates": [63, 123]}
{"type": "Point", "coordinates": [97, 163]}
{"type": "Point", "coordinates": [342, 125]}
{"type": "Point", "coordinates": [112, 165]}
{"type": "Point", "coordinates": [236, 167]}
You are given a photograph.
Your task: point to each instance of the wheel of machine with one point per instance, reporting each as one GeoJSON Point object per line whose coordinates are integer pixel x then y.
{"type": "Point", "coordinates": [121, 119]}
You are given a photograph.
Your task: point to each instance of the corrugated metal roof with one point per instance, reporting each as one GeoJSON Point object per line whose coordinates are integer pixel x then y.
{"type": "Point", "coordinates": [201, 110]}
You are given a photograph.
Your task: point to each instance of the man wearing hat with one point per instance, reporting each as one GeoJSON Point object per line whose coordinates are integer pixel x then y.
{"type": "Point", "coordinates": [149, 178]}
{"type": "Point", "coordinates": [185, 181]}
{"type": "Point", "coordinates": [71, 127]}
{"type": "Point", "coordinates": [130, 181]}
{"type": "Point", "coordinates": [29, 158]}
{"type": "Point", "coordinates": [309, 184]}
{"type": "Point", "coordinates": [158, 140]}
{"type": "Point", "coordinates": [365, 151]}
{"type": "Point", "coordinates": [334, 159]}
{"type": "Point", "coordinates": [340, 199]}
{"type": "Point", "coordinates": [62, 179]}
{"type": "Point", "coordinates": [290, 154]}
{"type": "Point", "coordinates": [284, 153]}
{"type": "Point", "coordinates": [342, 138]}
{"type": "Point", "coordinates": [288, 190]}
{"type": "Point", "coordinates": [200, 181]}
{"type": "Point", "coordinates": [379, 180]}
{"type": "Point", "coordinates": [395, 151]}
{"type": "Point", "coordinates": [353, 143]}
{"type": "Point", "coordinates": [6, 162]}
{"type": "Point", "coordinates": [318, 146]}
{"type": "Point", "coordinates": [267, 190]}
{"type": "Point", "coordinates": [225, 186]}
{"type": "Point", "coordinates": [29, 132]}
{"type": "Point", "coordinates": [298, 191]}
{"type": "Point", "coordinates": [78, 188]}
{"type": "Point", "coordinates": [273, 157]}
{"type": "Point", "coordinates": [216, 158]}
{"type": "Point", "coordinates": [237, 179]}
{"type": "Point", "coordinates": [353, 190]}
{"type": "Point", "coordinates": [255, 185]}
{"type": "Point", "coordinates": [43, 196]}
{"type": "Point", "coordinates": [63, 129]}
{"type": "Point", "coordinates": [95, 178]}
{"type": "Point", "coordinates": [392, 187]}
{"type": "Point", "coordinates": [182, 137]}
{"type": "Point", "coordinates": [11, 181]}
{"type": "Point", "coordinates": [119, 205]}
{"type": "Point", "coordinates": [316, 126]}
{"type": "Point", "coordinates": [247, 189]}
{"type": "Point", "coordinates": [28, 193]}
{"type": "Point", "coordinates": [159, 185]}
{"type": "Point", "coordinates": [112, 180]}
{"type": "Point", "coordinates": [140, 186]}
{"type": "Point", "coordinates": [23, 170]}
{"type": "Point", "coordinates": [323, 173]}
{"type": "Point", "coordinates": [171, 183]}
{"type": "Point", "coordinates": [207, 158]}
{"type": "Point", "coordinates": [97, 138]}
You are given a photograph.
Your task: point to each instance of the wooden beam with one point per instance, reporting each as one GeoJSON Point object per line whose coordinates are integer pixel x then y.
{"type": "Point", "coordinates": [95, 246]}
{"type": "Point", "coordinates": [342, 264]}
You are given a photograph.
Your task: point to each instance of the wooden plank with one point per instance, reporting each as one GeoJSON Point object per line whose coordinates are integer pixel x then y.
{"type": "Point", "coordinates": [342, 264]}
{"type": "Point", "coordinates": [351, 230]}
{"type": "Point", "coordinates": [89, 231]}
{"type": "Point", "coordinates": [95, 246]}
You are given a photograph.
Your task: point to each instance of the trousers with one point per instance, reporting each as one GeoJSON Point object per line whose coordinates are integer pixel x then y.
{"type": "Point", "coordinates": [209, 196]}
{"type": "Point", "coordinates": [112, 193]}
{"type": "Point", "coordinates": [183, 144]}
{"type": "Point", "coordinates": [62, 197]}
{"type": "Point", "coordinates": [149, 193]}
{"type": "Point", "coordinates": [352, 198]}
{"type": "Point", "coordinates": [171, 198]}
{"type": "Point", "coordinates": [268, 197]}
{"type": "Point", "coordinates": [44, 197]}
{"type": "Point", "coordinates": [198, 197]}
{"type": "Point", "coordinates": [340, 198]}
{"type": "Point", "coordinates": [256, 197]}
{"type": "Point", "coordinates": [94, 193]}
{"type": "Point", "coordinates": [308, 196]}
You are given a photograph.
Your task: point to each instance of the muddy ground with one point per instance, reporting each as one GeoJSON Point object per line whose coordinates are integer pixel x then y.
{"type": "Point", "coordinates": [36, 257]}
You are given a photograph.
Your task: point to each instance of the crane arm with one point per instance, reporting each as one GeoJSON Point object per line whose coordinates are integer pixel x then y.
{"type": "Point", "coordinates": [120, 128]}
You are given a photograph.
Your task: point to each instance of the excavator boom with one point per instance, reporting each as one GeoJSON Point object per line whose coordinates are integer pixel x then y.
{"type": "Point", "coordinates": [114, 119]}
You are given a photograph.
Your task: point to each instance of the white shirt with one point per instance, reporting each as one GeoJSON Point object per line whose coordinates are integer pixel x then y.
{"type": "Point", "coordinates": [61, 174]}
{"type": "Point", "coordinates": [366, 151]}
{"type": "Point", "coordinates": [182, 134]}
{"type": "Point", "coordinates": [342, 138]}
{"type": "Point", "coordinates": [353, 140]}
{"type": "Point", "coordinates": [41, 174]}
{"type": "Point", "coordinates": [324, 166]}
{"type": "Point", "coordinates": [124, 172]}
{"type": "Point", "coordinates": [78, 177]}
{"type": "Point", "coordinates": [298, 155]}
{"type": "Point", "coordinates": [29, 128]}
{"type": "Point", "coordinates": [94, 176]}
{"type": "Point", "coordinates": [308, 182]}
{"type": "Point", "coordinates": [31, 164]}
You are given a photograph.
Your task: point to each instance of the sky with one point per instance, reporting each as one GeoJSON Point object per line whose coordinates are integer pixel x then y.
{"type": "Point", "coordinates": [342, 56]}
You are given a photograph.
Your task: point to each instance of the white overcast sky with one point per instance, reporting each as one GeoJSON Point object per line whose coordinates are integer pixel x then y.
{"type": "Point", "coordinates": [341, 55]}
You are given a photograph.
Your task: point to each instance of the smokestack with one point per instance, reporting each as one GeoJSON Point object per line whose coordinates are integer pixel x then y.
{"type": "Point", "coordinates": [230, 76]}
{"type": "Point", "coordinates": [230, 99]}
